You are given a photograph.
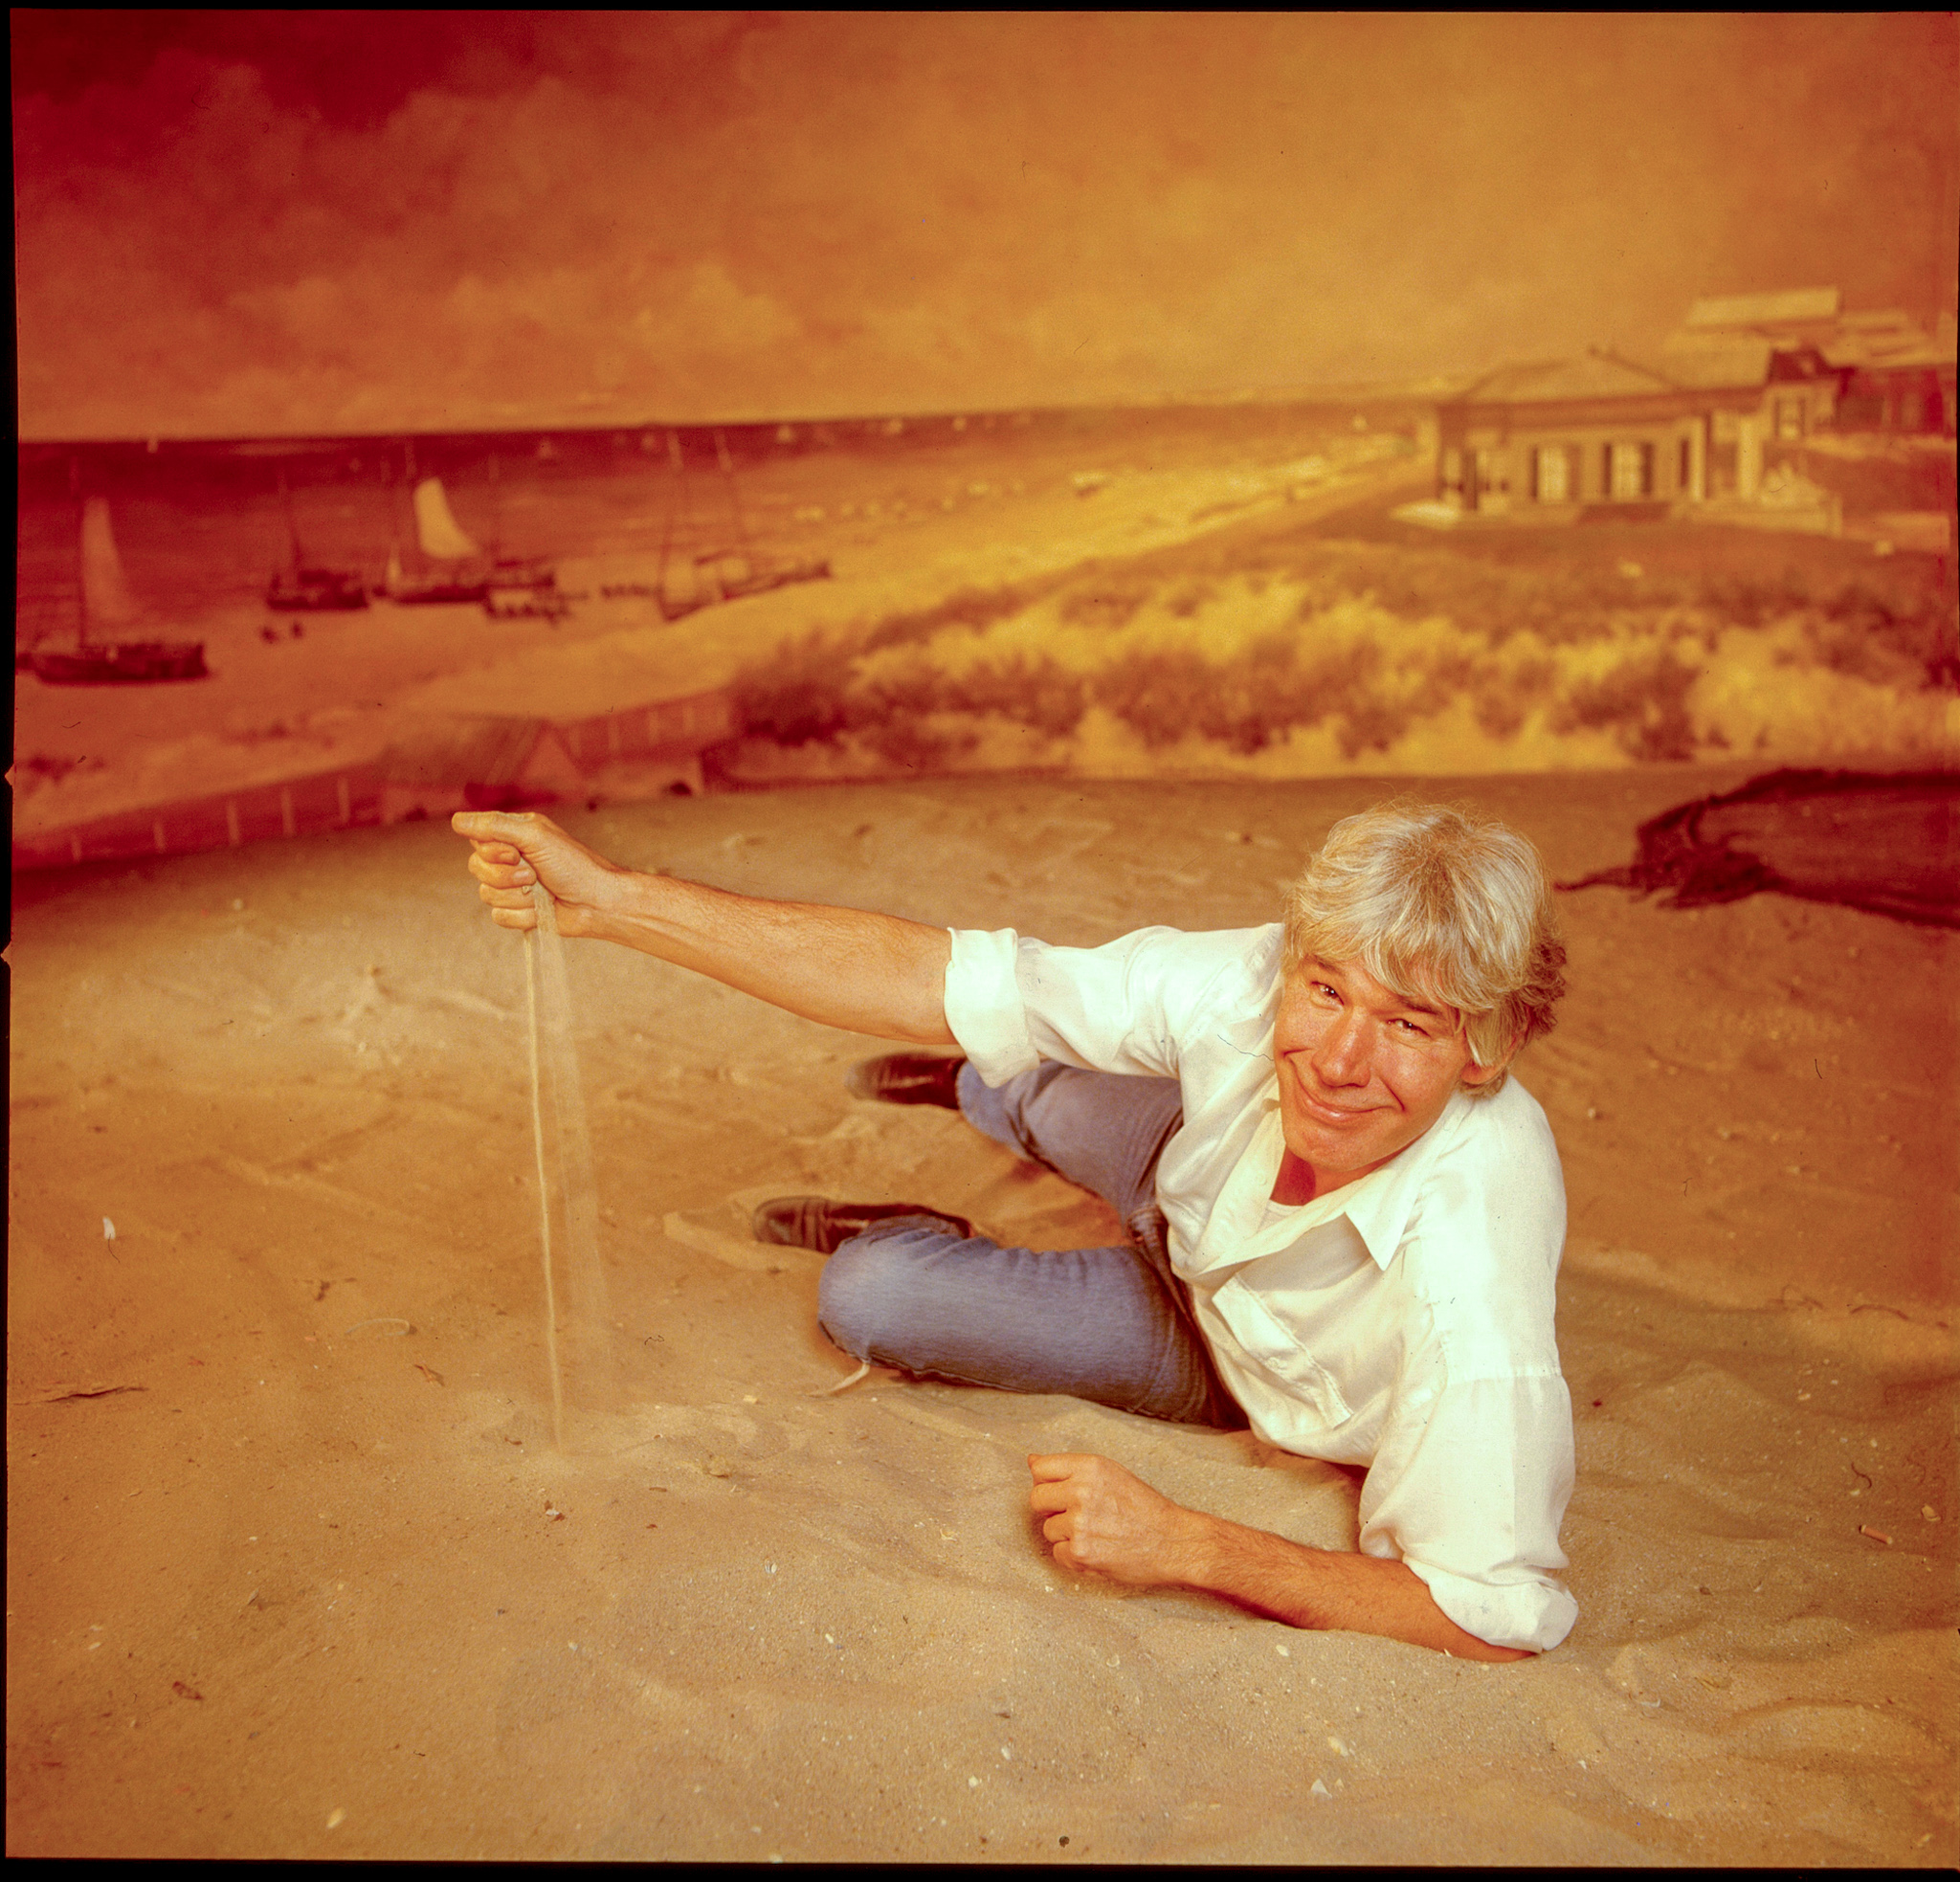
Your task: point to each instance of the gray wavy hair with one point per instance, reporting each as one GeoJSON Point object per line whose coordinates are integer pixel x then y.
{"type": "Point", "coordinates": [1442, 907]}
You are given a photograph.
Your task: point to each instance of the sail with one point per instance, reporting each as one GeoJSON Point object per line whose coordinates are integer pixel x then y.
{"type": "Point", "coordinates": [106, 598]}
{"type": "Point", "coordinates": [442, 540]}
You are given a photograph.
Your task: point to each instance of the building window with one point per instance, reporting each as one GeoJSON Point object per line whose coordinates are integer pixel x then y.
{"type": "Point", "coordinates": [1790, 416]}
{"type": "Point", "coordinates": [1629, 471]}
{"type": "Point", "coordinates": [1684, 470]}
{"type": "Point", "coordinates": [1551, 473]}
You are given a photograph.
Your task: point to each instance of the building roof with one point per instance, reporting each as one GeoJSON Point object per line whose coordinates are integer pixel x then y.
{"type": "Point", "coordinates": [1785, 307]}
{"type": "Point", "coordinates": [1882, 320]}
{"type": "Point", "coordinates": [1709, 362]}
{"type": "Point", "coordinates": [1691, 363]}
{"type": "Point", "coordinates": [1596, 376]}
{"type": "Point", "coordinates": [1725, 341]}
{"type": "Point", "coordinates": [1876, 348]}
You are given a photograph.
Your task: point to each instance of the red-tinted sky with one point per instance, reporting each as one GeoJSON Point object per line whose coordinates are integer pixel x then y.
{"type": "Point", "coordinates": [264, 222]}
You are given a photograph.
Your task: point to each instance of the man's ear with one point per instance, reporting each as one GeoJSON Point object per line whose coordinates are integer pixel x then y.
{"type": "Point", "coordinates": [1474, 1074]}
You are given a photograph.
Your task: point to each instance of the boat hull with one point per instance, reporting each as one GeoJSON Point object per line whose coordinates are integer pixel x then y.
{"type": "Point", "coordinates": [721, 578]}
{"type": "Point", "coordinates": [776, 575]}
{"type": "Point", "coordinates": [316, 591]}
{"type": "Point", "coordinates": [475, 580]}
{"type": "Point", "coordinates": [522, 572]}
{"type": "Point", "coordinates": [426, 594]}
{"type": "Point", "coordinates": [527, 603]}
{"type": "Point", "coordinates": [123, 663]}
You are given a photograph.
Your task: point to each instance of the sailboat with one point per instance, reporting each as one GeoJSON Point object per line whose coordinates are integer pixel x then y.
{"type": "Point", "coordinates": [459, 577]}
{"type": "Point", "coordinates": [306, 587]}
{"type": "Point", "coordinates": [522, 586]}
{"type": "Point", "coordinates": [723, 574]}
{"type": "Point", "coordinates": [106, 602]}
{"type": "Point", "coordinates": [463, 572]}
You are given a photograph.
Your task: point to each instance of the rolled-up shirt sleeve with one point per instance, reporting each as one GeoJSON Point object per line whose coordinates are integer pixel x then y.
{"type": "Point", "coordinates": [1468, 1486]}
{"type": "Point", "coordinates": [1011, 1002]}
{"type": "Point", "coordinates": [983, 1003]}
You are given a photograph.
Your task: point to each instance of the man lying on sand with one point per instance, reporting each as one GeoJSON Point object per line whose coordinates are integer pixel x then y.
{"type": "Point", "coordinates": [1344, 1221]}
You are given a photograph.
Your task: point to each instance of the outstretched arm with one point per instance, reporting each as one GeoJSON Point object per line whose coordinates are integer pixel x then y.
{"type": "Point", "coordinates": [1101, 1518]}
{"type": "Point", "coordinates": [845, 967]}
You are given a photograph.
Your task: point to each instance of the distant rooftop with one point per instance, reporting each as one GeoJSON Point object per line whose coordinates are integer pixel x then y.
{"type": "Point", "coordinates": [1878, 320]}
{"type": "Point", "coordinates": [1723, 337]}
{"type": "Point", "coordinates": [1703, 362]}
{"type": "Point", "coordinates": [1896, 349]}
{"type": "Point", "coordinates": [1595, 376]}
{"type": "Point", "coordinates": [1784, 307]}
{"type": "Point", "coordinates": [1708, 360]}
{"type": "Point", "coordinates": [1728, 344]}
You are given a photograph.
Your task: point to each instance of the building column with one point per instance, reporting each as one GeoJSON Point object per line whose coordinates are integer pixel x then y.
{"type": "Point", "coordinates": [1748, 456]}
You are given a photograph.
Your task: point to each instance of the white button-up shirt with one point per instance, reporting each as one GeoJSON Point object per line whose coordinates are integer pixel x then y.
{"type": "Point", "coordinates": [1403, 1323]}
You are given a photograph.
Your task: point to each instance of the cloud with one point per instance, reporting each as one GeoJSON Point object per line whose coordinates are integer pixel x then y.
{"type": "Point", "coordinates": [257, 222]}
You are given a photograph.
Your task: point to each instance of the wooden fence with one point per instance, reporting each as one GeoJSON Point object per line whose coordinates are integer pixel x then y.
{"type": "Point", "coordinates": [634, 752]}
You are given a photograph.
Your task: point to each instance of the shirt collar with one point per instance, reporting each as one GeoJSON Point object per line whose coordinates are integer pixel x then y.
{"type": "Point", "coordinates": [1379, 1206]}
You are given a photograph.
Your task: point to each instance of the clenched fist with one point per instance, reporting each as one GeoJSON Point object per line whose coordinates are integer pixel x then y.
{"type": "Point", "coordinates": [1103, 1520]}
{"type": "Point", "coordinates": [510, 850]}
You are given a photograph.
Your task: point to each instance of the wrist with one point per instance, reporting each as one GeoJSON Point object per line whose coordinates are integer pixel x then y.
{"type": "Point", "coordinates": [1195, 1550]}
{"type": "Point", "coordinates": [614, 899]}
{"type": "Point", "coordinates": [1263, 1571]}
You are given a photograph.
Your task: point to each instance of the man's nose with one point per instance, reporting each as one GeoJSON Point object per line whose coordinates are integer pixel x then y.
{"type": "Point", "coordinates": [1341, 1059]}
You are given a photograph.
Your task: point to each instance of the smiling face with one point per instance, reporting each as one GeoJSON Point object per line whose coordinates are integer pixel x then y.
{"type": "Point", "coordinates": [1363, 1072]}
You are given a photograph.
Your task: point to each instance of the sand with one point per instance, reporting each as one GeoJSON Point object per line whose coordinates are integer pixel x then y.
{"type": "Point", "coordinates": [296, 1571]}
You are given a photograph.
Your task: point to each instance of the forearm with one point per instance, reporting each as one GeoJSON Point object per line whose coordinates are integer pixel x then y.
{"type": "Point", "coordinates": [1322, 1588]}
{"type": "Point", "coordinates": [846, 967]}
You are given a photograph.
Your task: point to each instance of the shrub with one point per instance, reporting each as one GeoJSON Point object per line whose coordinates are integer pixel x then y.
{"type": "Point", "coordinates": [802, 695]}
{"type": "Point", "coordinates": [1642, 700]}
{"type": "Point", "coordinates": [1104, 604]}
{"type": "Point", "coordinates": [968, 607]}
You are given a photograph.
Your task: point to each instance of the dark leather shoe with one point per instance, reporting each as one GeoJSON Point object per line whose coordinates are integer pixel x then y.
{"type": "Point", "coordinates": [907, 1078]}
{"type": "Point", "coordinates": [815, 1222]}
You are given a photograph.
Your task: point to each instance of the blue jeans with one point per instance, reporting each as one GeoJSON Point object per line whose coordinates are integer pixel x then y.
{"type": "Point", "coordinates": [1112, 1325]}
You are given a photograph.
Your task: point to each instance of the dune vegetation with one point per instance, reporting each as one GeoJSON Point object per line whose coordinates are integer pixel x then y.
{"type": "Point", "coordinates": [1316, 657]}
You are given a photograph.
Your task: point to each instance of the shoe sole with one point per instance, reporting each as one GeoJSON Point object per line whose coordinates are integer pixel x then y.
{"type": "Point", "coordinates": [804, 1221]}
{"type": "Point", "coordinates": [863, 1080]}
